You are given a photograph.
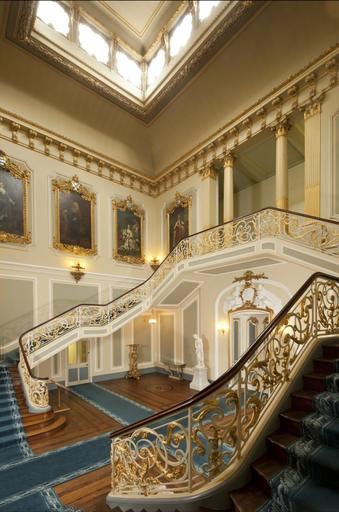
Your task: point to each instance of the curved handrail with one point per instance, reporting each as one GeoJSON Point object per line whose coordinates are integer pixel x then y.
{"type": "Point", "coordinates": [248, 228]}
{"type": "Point", "coordinates": [182, 449]}
{"type": "Point", "coordinates": [231, 372]}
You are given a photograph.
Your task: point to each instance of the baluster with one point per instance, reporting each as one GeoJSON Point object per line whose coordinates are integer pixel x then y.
{"type": "Point", "coordinates": [189, 453]}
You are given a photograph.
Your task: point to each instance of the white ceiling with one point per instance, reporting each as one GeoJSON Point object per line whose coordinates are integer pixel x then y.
{"type": "Point", "coordinates": [137, 16]}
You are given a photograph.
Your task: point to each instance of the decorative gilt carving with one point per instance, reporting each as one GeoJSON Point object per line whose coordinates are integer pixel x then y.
{"type": "Point", "coordinates": [229, 159]}
{"type": "Point", "coordinates": [248, 292]}
{"type": "Point", "coordinates": [17, 172]}
{"type": "Point", "coordinates": [312, 109]}
{"type": "Point", "coordinates": [282, 128]}
{"type": "Point", "coordinates": [73, 185]}
{"type": "Point", "coordinates": [208, 172]}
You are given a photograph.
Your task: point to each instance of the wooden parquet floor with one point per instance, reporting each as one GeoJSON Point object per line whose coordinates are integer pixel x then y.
{"type": "Point", "coordinates": [83, 422]}
{"type": "Point", "coordinates": [88, 492]}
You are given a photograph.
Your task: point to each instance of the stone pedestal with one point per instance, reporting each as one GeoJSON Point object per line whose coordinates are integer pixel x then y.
{"type": "Point", "coordinates": [200, 380]}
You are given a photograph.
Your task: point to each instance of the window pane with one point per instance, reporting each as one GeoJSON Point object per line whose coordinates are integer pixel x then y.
{"type": "Point", "coordinates": [156, 66]}
{"type": "Point", "coordinates": [181, 34]}
{"type": "Point", "coordinates": [93, 43]}
{"type": "Point", "coordinates": [128, 68]}
{"type": "Point", "coordinates": [72, 353]}
{"type": "Point", "coordinates": [54, 14]}
{"type": "Point", "coordinates": [205, 8]}
{"type": "Point", "coordinates": [83, 351]}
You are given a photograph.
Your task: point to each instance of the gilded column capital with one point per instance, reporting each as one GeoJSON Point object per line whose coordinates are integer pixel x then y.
{"type": "Point", "coordinates": [281, 129]}
{"type": "Point", "coordinates": [229, 159]}
{"type": "Point", "coordinates": [208, 172]}
{"type": "Point", "coordinates": [312, 109]}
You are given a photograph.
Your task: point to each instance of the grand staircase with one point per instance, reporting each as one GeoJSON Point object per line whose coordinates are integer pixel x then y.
{"type": "Point", "coordinates": [300, 469]}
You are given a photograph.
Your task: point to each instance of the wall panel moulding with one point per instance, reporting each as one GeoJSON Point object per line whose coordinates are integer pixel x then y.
{"type": "Point", "coordinates": [302, 92]}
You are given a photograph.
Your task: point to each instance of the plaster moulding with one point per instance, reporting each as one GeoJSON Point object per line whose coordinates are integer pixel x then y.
{"type": "Point", "coordinates": [302, 92]}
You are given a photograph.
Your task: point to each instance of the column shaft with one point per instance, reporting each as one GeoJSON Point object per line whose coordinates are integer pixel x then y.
{"type": "Point", "coordinates": [312, 160]}
{"type": "Point", "coordinates": [228, 187]}
{"type": "Point", "coordinates": [281, 167]}
{"type": "Point", "coordinates": [208, 198]}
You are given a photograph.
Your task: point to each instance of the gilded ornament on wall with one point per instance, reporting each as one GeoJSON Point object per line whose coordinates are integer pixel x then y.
{"type": "Point", "coordinates": [14, 202]}
{"type": "Point", "coordinates": [128, 222]}
{"type": "Point", "coordinates": [179, 220]}
{"type": "Point", "coordinates": [74, 217]}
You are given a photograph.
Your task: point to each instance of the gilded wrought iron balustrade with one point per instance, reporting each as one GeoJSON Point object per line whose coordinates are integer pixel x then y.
{"type": "Point", "coordinates": [318, 234]}
{"type": "Point", "coordinates": [182, 450]}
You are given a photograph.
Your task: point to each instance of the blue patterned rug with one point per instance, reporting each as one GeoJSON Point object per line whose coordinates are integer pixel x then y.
{"type": "Point", "coordinates": [311, 481]}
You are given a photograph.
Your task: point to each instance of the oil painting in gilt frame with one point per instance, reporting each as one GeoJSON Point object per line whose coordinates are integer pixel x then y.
{"type": "Point", "coordinates": [74, 217]}
{"type": "Point", "coordinates": [128, 221]}
{"type": "Point", "coordinates": [14, 202]}
{"type": "Point", "coordinates": [179, 220]}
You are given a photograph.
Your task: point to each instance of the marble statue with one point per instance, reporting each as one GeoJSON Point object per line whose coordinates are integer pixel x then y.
{"type": "Point", "coordinates": [199, 351]}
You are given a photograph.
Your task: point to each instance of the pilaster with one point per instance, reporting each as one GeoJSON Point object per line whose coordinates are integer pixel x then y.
{"type": "Point", "coordinates": [312, 159]}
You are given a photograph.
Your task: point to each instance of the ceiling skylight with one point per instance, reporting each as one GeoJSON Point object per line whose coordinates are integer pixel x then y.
{"type": "Point", "coordinates": [156, 66]}
{"type": "Point", "coordinates": [128, 68]}
{"type": "Point", "coordinates": [205, 8]}
{"type": "Point", "coordinates": [52, 13]}
{"type": "Point", "coordinates": [181, 34]}
{"type": "Point", "coordinates": [93, 43]}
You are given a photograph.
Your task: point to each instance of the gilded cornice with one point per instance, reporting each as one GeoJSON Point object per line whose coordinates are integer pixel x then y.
{"type": "Point", "coordinates": [304, 92]}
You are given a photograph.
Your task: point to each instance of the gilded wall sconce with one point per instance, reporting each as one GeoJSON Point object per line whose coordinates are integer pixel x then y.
{"type": "Point", "coordinates": [77, 272]}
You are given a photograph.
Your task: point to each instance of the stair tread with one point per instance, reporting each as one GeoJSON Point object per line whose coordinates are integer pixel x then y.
{"type": "Point", "coordinates": [268, 466]}
{"type": "Point", "coordinates": [51, 427]}
{"type": "Point", "coordinates": [305, 393]}
{"type": "Point", "coordinates": [248, 498]}
{"type": "Point", "coordinates": [317, 375]}
{"type": "Point", "coordinates": [282, 438]}
{"type": "Point", "coordinates": [294, 414]}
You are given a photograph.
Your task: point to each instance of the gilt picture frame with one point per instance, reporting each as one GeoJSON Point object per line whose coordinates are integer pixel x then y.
{"type": "Point", "coordinates": [128, 227]}
{"type": "Point", "coordinates": [14, 202]}
{"type": "Point", "coordinates": [179, 220]}
{"type": "Point", "coordinates": [74, 212]}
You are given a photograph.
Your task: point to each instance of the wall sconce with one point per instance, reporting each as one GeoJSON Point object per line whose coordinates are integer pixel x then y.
{"type": "Point", "coordinates": [155, 264]}
{"type": "Point", "coordinates": [153, 319]}
{"type": "Point", "coordinates": [222, 327]}
{"type": "Point", "coordinates": [77, 272]}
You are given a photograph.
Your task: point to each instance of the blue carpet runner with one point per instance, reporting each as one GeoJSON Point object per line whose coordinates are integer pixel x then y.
{"type": "Point", "coordinates": [120, 408]}
{"type": "Point", "coordinates": [311, 481]}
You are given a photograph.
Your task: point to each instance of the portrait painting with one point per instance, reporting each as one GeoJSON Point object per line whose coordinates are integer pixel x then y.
{"type": "Point", "coordinates": [74, 214]}
{"type": "Point", "coordinates": [14, 189]}
{"type": "Point", "coordinates": [179, 220]}
{"type": "Point", "coordinates": [128, 226]}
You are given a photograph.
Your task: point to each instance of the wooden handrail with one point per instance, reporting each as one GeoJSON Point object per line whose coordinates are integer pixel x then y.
{"type": "Point", "coordinates": [229, 374]}
{"type": "Point", "coordinates": [162, 263]}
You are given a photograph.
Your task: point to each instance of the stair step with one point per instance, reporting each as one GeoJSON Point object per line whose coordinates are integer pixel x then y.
{"type": "Point", "coordinates": [8, 440]}
{"type": "Point", "coordinates": [324, 365]}
{"type": "Point", "coordinates": [35, 419]}
{"type": "Point", "coordinates": [315, 381]}
{"type": "Point", "coordinates": [303, 399]}
{"type": "Point", "coordinates": [290, 420]}
{"type": "Point", "coordinates": [331, 350]}
{"type": "Point", "coordinates": [248, 499]}
{"type": "Point", "coordinates": [38, 430]}
{"type": "Point", "coordinates": [263, 470]}
{"type": "Point", "coordinates": [278, 443]}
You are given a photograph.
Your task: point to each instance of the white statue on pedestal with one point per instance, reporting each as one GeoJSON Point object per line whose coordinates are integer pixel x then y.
{"type": "Point", "coordinates": [199, 351]}
{"type": "Point", "coordinates": [200, 380]}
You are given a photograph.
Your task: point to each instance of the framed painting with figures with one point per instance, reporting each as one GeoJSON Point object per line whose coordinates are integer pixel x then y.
{"type": "Point", "coordinates": [179, 220]}
{"type": "Point", "coordinates": [74, 217]}
{"type": "Point", "coordinates": [14, 202]}
{"type": "Point", "coordinates": [128, 224]}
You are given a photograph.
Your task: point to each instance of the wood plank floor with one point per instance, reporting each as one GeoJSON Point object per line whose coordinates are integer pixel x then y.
{"type": "Point", "coordinates": [88, 492]}
{"type": "Point", "coordinates": [83, 422]}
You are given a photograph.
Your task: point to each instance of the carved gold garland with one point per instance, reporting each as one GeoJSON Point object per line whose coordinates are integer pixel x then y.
{"type": "Point", "coordinates": [124, 205]}
{"type": "Point", "coordinates": [6, 164]}
{"type": "Point", "coordinates": [73, 185]}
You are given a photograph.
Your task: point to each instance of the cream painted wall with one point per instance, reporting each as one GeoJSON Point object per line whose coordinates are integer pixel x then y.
{"type": "Point", "coordinates": [280, 41]}
{"type": "Point", "coordinates": [262, 194]}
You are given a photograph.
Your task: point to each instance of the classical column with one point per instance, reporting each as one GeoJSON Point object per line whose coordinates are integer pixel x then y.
{"type": "Point", "coordinates": [208, 197]}
{"type": "Point", "coordinates": [312, 159]}
{"type": "Point", "coordinates": [228, 187]}
{"type": "Point", "coordinates": [281, 165]}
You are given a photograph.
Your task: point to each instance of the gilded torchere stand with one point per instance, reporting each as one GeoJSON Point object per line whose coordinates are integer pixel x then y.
{"type": "Point", "coordinates": [133, 372]}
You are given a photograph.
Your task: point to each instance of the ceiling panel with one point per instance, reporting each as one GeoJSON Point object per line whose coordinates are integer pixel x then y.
{"type": "Point", "coordinates": [180, 293]}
